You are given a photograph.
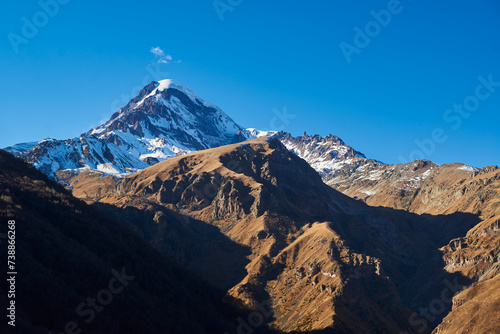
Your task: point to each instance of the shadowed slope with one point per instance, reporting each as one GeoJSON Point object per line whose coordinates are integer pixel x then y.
{"type": "Point", "coordinates": [67, 252]}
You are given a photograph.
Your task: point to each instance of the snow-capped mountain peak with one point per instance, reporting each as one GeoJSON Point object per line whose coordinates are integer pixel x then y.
{"type": "Point", "coordinates": [165, 84]}
{"type": "Point", "coordinates": [176, 97]}
{"type": "Point", "coordinates": [164, 120]}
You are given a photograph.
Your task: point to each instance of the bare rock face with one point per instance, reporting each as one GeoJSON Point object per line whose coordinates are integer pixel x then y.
{"type": "Point", "coordinates": [229, 201]}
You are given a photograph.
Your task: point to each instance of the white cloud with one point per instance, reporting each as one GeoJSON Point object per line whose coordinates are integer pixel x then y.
{"type": "Point", "coordinates": [157, 51]}
{"type": "Point", "coordinates": [162, 57]}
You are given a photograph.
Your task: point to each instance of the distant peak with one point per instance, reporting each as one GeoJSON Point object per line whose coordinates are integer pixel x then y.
{"type": "Point", "coordinates": [170, 83]}
{"type": "Point", "coordinates": [166, 84]}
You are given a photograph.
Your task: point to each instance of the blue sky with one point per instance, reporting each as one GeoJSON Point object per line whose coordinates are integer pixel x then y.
{"type": "Point", "coordinates": [262, 61]}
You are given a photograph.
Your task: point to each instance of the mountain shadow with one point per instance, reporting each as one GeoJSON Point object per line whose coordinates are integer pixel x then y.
{"type": "Point", "coordinates": [197, 246]}
{"type": "Point", "coordinates": [409, 248]}
{"type": "Point", "coordinates": [79, 270]}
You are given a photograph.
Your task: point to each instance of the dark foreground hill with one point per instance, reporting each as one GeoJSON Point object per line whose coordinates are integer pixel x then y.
{"type": "Point", "coordinates": [78, 270]}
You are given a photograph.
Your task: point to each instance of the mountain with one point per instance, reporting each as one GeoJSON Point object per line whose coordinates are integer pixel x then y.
{"type": "Point", "coordinates": [78, 270]}
{"type": "Point", "coordinates": [257, 222]}
{"type": "Point", "coordinates": [164, 120]}
{"type": "Point", "coordinates": [167, 119]}
{"type": "Point", "coordinates": [333, 159]}
{"type": "Point", "coordinates": [323, 260]}
{"type": "Point", "coordinates": [424, 187]}
{"type": "Point", "coordinates": [329, 155]}
{"type": "Point", "coordinates": [476, 255]}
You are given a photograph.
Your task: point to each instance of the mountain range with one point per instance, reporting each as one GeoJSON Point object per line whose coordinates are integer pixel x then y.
{"type": "Point", "coordinates": [331, 240]}
{"type": "Point", "coordinates": [164, 120]}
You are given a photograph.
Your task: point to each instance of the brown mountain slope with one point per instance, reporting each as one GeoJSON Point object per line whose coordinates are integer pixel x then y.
{"type": "Point", "coordinates": [446, 190]}
{"type": "Point", "coordinates": [475, 310]}
{"type": "Point", "coordinates": [323, 260]}
{"type": "Point", "coordinates": [478, 254]}
{"type": "Point", "coordinates": [424, 187]}
{"type": "Point", "coordinates": [68, 253]}
{"type": "Point", "coordinates": [421, 186]}
{"type": "Point", "coordinates": [262, 196]}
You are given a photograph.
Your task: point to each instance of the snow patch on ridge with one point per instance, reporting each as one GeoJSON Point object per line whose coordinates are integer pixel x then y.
{"type": "Point", "coordinates": [468, 168]}
{"type": "Point", "coordinates": [251, 133]}
{"type": "Point", "coordinates": [22, 147]}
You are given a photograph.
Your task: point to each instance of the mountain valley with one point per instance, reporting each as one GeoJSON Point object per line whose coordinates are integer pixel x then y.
{"type": "Point", "coordinates": [236, 218]}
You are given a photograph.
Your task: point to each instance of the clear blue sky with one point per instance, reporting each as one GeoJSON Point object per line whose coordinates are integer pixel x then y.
{"type": "Point", "coordinates": [88, 58]}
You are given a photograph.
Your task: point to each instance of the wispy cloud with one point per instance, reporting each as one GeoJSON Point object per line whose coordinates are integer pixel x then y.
{"type": "Point", "coordinates": [162, 57]}
{"type": "Point", "coordinates": [157, 51]}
